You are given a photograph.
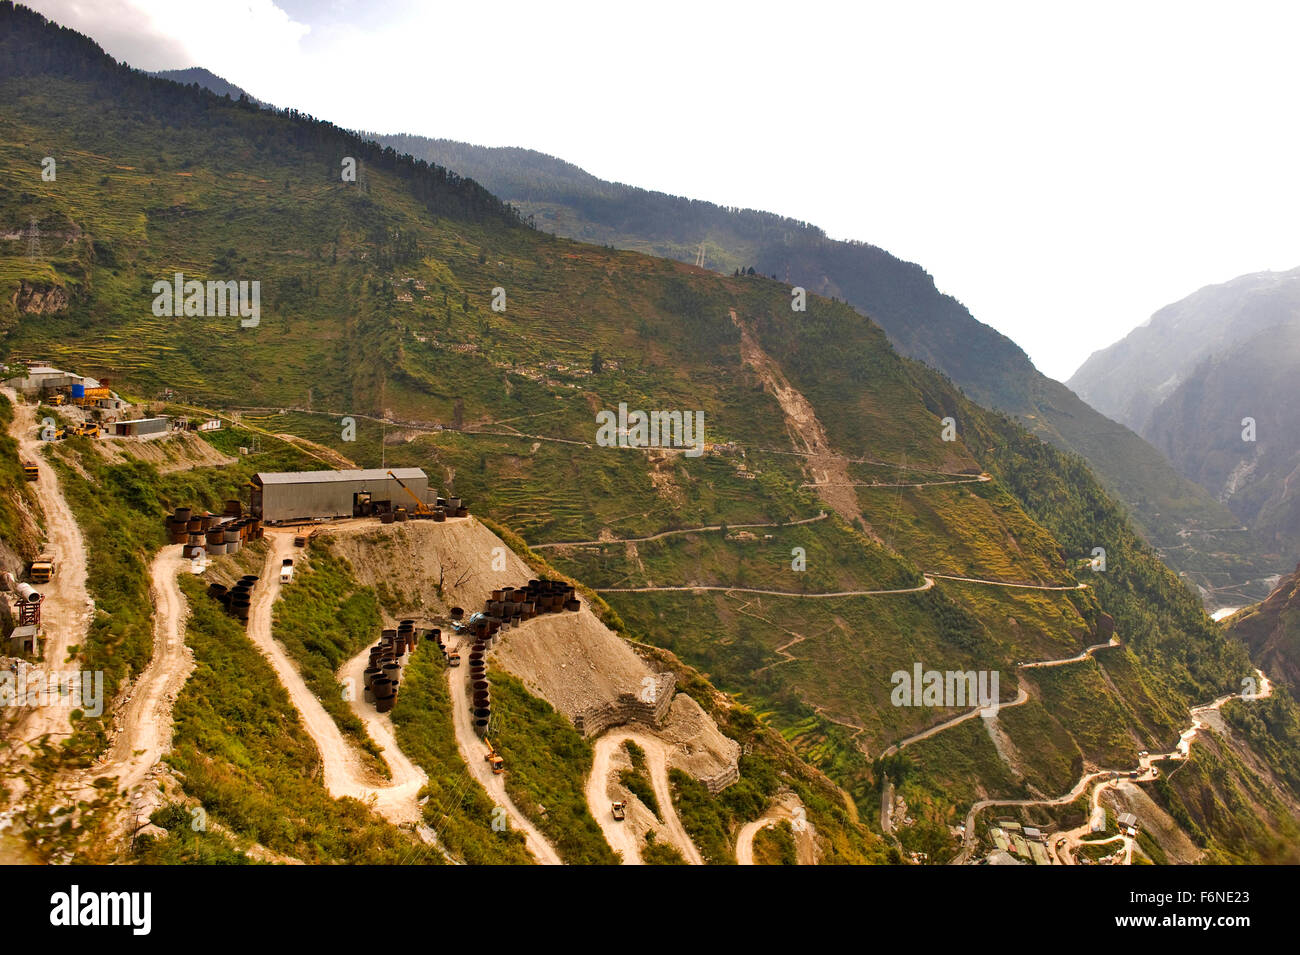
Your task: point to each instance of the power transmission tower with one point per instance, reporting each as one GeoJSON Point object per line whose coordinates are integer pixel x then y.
{"type": "Point", "coordinates": [699, 256]}
{"type": "Point", "coordinates": [33, 240]}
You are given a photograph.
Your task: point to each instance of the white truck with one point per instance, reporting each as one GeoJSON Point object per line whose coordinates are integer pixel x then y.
{"type": "Point", "coordinates": [286, 570]}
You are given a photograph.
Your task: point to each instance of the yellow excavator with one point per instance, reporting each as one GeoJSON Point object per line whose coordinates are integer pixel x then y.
{"type": "Point", "coordinates": [421, 509]}
{"type": "Point", "coordinates": [493, 759]}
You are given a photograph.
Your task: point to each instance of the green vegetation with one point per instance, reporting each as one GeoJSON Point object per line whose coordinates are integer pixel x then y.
{"type": "Point", "coordinates": [1079, 698]}
{"type": "Point", "coordinates": [659, 853]}
{"type": "Point", "coordinates": [186, 841]}
{"type": "Point", "coordinates": [323, 620]}
{"type": "Point", "coordinates": [1227, 809]}
{"type": "Point", "coordinates": [241, 752]}
{"type": "Point", "coordinates": [637, 779]}
{"type": "Point", "coordinates": [547, 764]}
{"type": "Point", "coordinates": [774, 845]}
{"type": "Point", "coordinates": [458, 809]}
{"type": "Point", "coordinates": [16, 531]}
{"type": "Point", "coordinates": [711, 820]}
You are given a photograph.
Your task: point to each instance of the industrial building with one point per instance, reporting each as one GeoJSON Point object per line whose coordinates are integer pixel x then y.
{"type": "Point", "coordinates": [142, 427]}
{"type": "Point", "coordinates": [42, 378]}
{"type": "Point", "coordinates": [309, 495]}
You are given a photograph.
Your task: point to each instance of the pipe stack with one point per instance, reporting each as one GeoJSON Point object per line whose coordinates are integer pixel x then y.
{"type": "Point", "coordinates": [383, 676]}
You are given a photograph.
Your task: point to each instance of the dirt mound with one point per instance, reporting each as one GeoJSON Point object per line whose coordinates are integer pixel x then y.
{"type": "Point", "coordinates": [176, 452]}
{"type": "Point", "coordinates": [571, 660]}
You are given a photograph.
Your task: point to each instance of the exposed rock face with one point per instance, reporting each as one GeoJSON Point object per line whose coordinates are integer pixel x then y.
{"type": "Point", "coordinates": [29, 299]}
{"type": "Point", "coordinates": [1272, 631]}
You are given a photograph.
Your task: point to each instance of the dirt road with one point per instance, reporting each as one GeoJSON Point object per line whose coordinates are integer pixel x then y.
{"type": "Point", "coordinates": [772, 593]}
{"type": "Point", "coordinates": [1022, 696]}
{"type": "Point", "coordinates": [67, 609]}
{"type": "Point", "coordinates": [1012, 584]}
{"type": "Point", "coordinates": [1105, 778]}
{"type": "Point", "coordinates": [622, 837]}
{"type": "Point", "coordinates": [616, 834]}
{"type": "Point", "coordinates": [144, 724]}
{"type": "Point", "coordinates": [787, 807]}
{"type": "Point", "coordinates": [685, 530]}
{"type": "Point", "coordinates": [345, 775]}
{"type": "Point", "coordinates": [472, 750]}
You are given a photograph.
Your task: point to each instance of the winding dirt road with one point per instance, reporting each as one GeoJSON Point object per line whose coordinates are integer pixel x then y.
{"type": "Point", "coordinates": [144, 723]}
{"type": "Point", "coordinates": [67, 608]}
{"type": "Point", "coordinates": [772, 593]}
{"type": "Point", "coordinates": [344, 773]}
{"type": "Point", "coordinates": [1108, 777]}
{"type": "Point", "coordinates": [1021, 696]}
{"type": "Point", "coordinates": [472, 750]}
{"type": "Point", "coordinates": [621, 837]}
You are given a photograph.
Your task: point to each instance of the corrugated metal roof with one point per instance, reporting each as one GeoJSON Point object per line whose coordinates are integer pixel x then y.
{"type": "Point", "coordinates": [325, 477]}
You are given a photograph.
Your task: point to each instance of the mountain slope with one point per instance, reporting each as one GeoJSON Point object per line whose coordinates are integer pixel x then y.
{"type": "Point", "coordinates": [1255, 471]}
{"type": "Point", "coordinates": [1271, 630]}
{"type": "Point", "coordinates": [883, 546]}
{"type": "Point", "coordinates": [1178, 516]}
{"type": "Point", "coordinates": [206, 79]}
{"type": "Point", "coordinates": [1190, 377]}
{"type": "Point", "coordinates": [1129, 379]}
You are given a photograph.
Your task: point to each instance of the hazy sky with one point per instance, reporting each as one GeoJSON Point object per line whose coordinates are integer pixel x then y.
{"type": "Point", "coordinates": [1064, 172]}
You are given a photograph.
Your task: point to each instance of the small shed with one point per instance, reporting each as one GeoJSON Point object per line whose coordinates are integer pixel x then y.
{"type": "Point", "coordinates": [22, 640]}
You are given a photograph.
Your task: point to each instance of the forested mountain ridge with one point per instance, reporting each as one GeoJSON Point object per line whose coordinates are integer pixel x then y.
{"type": "Point", "coordinates": [1194, 532]}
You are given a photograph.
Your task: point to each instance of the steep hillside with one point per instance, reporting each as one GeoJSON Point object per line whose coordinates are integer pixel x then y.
{"type": "Point", "coordinates": [1255, 469]}
{"type": "Point", "coordinates": [848, 514]}
{"type": "Point", "coordinates": [1129, 379]}
{"type": "Point", "coordinates": [1271, 630]}
{"type": "Point", "coordinates": [1189, 378]}
{"type": "Point", "coordinates": [204, 78]}
{"type": "Point", "coordinates": [1195, 533]}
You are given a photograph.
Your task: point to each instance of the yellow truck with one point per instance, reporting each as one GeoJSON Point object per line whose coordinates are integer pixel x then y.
{"type": "Point", "coordinates": [29, 470]}
{"type": "Point", "coordinates": [42, 569]}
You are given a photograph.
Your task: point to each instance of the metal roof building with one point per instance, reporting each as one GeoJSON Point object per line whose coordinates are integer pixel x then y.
{"type": "Point", "coordinates": [279, 496]}
{"type": "Point", "coordinates": [142, 426]}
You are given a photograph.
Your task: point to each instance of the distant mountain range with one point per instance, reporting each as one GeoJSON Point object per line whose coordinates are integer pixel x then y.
{"type": "Point", "coordinates": [1191, 529]}
{"type": "Point", "coordinates": [1189, 379]}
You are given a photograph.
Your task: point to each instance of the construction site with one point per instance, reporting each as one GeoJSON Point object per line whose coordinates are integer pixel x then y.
{"type": "Point", "coordinates": [473, 604]}
{"type": "Point", "coordinates": [89, 406]}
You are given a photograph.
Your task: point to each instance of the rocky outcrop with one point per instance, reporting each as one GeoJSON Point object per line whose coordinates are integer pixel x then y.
{"type": "Point", "coordinates": [30, 299]}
